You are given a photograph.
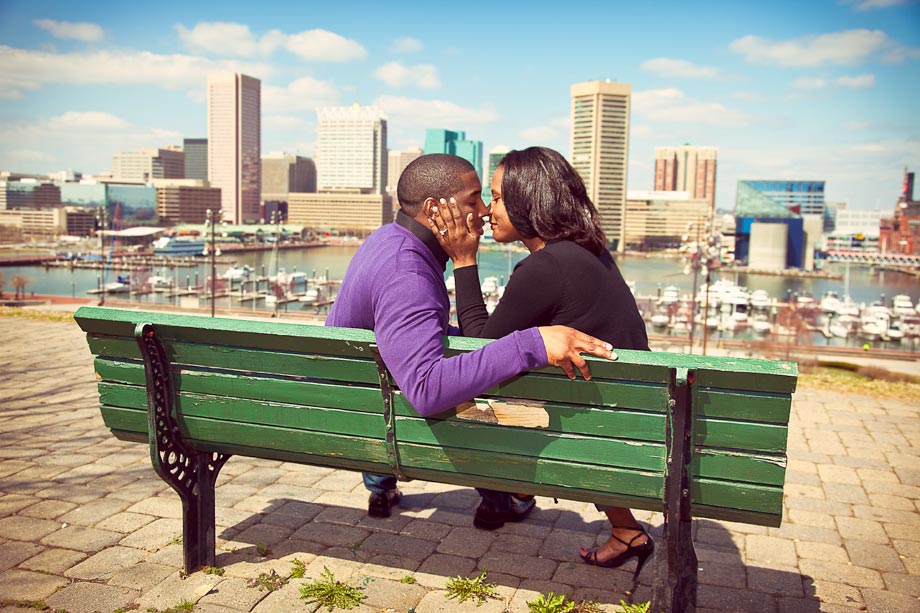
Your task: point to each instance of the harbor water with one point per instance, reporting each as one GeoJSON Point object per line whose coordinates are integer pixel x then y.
{"type": "Point", "coordinates": [649, 276]}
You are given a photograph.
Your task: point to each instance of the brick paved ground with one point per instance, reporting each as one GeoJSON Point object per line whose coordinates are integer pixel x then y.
{"type": "Point", "coordinates": [85, 525]}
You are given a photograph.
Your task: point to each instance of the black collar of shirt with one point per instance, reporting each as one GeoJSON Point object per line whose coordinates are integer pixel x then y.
{"type": "Point", "coordinates": [423, 234]}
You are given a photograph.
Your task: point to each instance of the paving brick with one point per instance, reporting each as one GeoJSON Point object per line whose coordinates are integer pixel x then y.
{"type": "Point", "coordinates": [18, 584]}
{"type": "Point", "coordinates": [48, 509]}
{"type": "Point", "coordinates": [467, 542]}
{"type": "Point", "coordinates": [383, 594]}
{"type": "Point", "coordinates": [232, 594]}
{"type": "Point", "coordinates": [158, 506]}
{"type": "Point", "coordinates": [852, 528]}
{"type": "Point", "coordinates": [841, 573]}
{"type": "Point", "coordinates": [12, 553]}
{"type": "Point", "coordinates": [405, 546]}
{"type": "Point", "coordinates": [527, 567]}
{"type": "Point", "coordinates": [105, 564]}
{"type": "Point", "coordinates": [331, 534]}
{"type": "Point", "coordinates": [770, 550]}
{"type": "Point", "coordinates": [731, 599]}
{"type": "Point", "coordinates": [154, 535]}
{"type": "Point", "coordinates": [175, 589]}
{"type": "Point", "coordinates": [87, 597]}
{"type": "Point", "coordinates": [427, 530]}
{"type": "Point", "coordinates": [893, 516]}
{"type": "Point", "coordinates": [781, 582]}
{"type": "Point", "coordinates": [26, 528]}
{"type": "Point", "coordinates": [821, 551]}
{"type": "Point", "coordinates": [141, 576]}
{"type": "Point", "coordinates": [873, 555]}
{"type": "Point", "coordinates": [82, 538]}
{"type": "Point", "coordinates": [54, 561]}
{"type": "Point", "coordinates": [879, 600]}
{"type": "Point", "coordinates": [125, 522]}
{"type": "Point", "coordinates": [447, 565]}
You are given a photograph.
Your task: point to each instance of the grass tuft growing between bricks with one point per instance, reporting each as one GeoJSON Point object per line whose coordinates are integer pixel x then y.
{"type": "Point", "coordinates": [464, 588]}
{"type": "Point", "coordinates": [329, 593]}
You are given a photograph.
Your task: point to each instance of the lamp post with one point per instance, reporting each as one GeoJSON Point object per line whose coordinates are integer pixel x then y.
{"type": "Point", "coordinates": [705, 259]}
{"type": "Point", "coordinates": [101, 219]}
{"type": "Point", "coordinates": [211, 217]}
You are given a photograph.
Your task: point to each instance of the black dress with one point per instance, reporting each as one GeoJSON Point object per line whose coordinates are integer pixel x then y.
{"type": "Point", "coordinates": [561, 284]}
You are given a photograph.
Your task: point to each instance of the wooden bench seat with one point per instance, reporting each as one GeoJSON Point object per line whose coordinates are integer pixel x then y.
{"type": "Point", "coordinates": [686, 435]}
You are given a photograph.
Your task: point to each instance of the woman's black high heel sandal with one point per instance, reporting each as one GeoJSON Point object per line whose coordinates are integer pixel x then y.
{"type": "Point", "coordinates": [641, 552]}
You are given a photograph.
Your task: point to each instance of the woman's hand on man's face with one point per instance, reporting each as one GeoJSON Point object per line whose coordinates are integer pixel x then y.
{"type": "Point", "coordinates": [457, 233]}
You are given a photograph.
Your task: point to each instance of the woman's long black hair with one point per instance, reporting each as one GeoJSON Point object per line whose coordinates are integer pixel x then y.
{"type": "Point", "coordinates": [545, 197]}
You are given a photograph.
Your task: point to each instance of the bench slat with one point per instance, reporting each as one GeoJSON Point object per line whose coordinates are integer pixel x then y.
{"type": "Point", "coordinates": [749, 374]}
{"type": "Point", "coordinates": [484, 437]}
{"type": "Point", "coordinates": [530, 470]}
{"type": "Point", "coordinates": [744, 467]}
{"type": "Point", "coordinates": [731, 434]}
{"type": "Point", "coordinates": [740, 497]}
{"type": "Point", "coordinates": [747, 405]}
{"type": "Point", "coordinates": [247, 360]}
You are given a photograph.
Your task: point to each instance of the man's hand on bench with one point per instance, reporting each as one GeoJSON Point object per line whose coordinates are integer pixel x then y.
{"type": "Point", "coordinates": [564, 346]}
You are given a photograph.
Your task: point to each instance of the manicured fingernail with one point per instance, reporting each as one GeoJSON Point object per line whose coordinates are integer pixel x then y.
{"type": "Point", "coordinates": [443, 201]}
{"type": "Point", "coordinates": [452, 201]}
{"type": "Point", "coordinates": [434, 209]}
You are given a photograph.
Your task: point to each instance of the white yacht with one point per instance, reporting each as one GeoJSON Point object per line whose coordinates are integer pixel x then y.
{"type": "Point", "coordinates": [761, 325]}
{"type": "Point", "coordinates": [670, 295]}
{"type": "Point", "coordinates": [902, 305]}
{"type": "Point", "coordinates": [830, 302]}
{"type": "Point", "coordinates": [489, 286]}
{"type": "Point", "coordinates": [760, 300]}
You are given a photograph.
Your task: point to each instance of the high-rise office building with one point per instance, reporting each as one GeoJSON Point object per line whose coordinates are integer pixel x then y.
{"type": "Point", "coordinates": [351, 149]}
{"type": "Point", "coordinates": [687, 169]}
{"type": "Point", "coordinates": [600, 149]}
{"type": "Point", "coordinates": [396, 164]}
{"type": "Point", "coordinates": [455, 143]}
{"type": "Point", "coordinates": [496, 155]}
{"type": "Point", "coordinates": [147, 164]}
{"type": "Point", "coordinates": [285, 173]}
{"type": "Point", "coordinates": [234, 144]}
{"type": "Point", "coordinates": [196, 158]}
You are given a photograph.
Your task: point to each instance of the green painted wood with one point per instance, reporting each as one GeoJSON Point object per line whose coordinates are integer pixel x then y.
{"type": "Point", "coordinates": [239, 385]}
{"type": "Point", "coordinates": [751, 375]}
{"type": "Point", "coordinates": [531, 470]}
{"type": "Point", "coordinates": [119, 371]}
{"type": "Point", "coordinates": [729, 434]}
{"type": "Point", "coordinates": [743, 497]}
{"type": "Point", "coordinates": [130, 437]}
{"type": "Point", "coordinates": [533, 443]}
{"type": "Point", "coordinates": [247, 360]}
{"type": "Point", "coordinates": [254, 412]}
{"type": "Point", "coordinates": [748, 406]}
{"type": "Point", "coordinates": [741, 517]}
{"type": "Point", "coordinates": [537, 489]}
{"type": "Point", "coordinates": [738, 466]}
{"type": "Point", "coordinates": [125, 419]}
{"type": "Point", "coordinates": [282, 439]}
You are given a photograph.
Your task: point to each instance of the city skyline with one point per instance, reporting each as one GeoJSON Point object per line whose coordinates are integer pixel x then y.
{"type": "Point", "coordinates": [816, 92]}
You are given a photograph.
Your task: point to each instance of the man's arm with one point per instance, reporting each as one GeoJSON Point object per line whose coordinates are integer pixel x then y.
{"type": "Point", "coordinates": [410, 337]}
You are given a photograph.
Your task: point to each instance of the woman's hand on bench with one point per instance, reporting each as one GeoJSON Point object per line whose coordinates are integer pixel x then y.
{"type": "Point", "coordinates": [564, 346]}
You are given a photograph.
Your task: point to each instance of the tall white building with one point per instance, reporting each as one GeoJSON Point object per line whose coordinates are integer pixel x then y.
{"type": "Point", "coordinates": [687, 169]}
{"type": "Point", "coordinates": [234, 144]}
{"type": "Point", "coordinates": [600, 149]}
{"type": "Point", "coordinates": [147, 164]}
{"type": "Point", "coordinates": [351, 149]}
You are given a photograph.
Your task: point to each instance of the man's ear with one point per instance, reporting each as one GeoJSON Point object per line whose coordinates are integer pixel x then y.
{"type": "Point", "coordinates": [427, 204]}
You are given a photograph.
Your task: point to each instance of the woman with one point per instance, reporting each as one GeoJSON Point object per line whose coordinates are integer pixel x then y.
{"type": "Point", "coordinates": [568, 278]}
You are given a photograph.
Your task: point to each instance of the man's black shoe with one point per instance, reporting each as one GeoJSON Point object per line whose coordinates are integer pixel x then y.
{"type": "Point", "coordinates": [378, 505]}
{"type": "Point", "coordinates": [489, 518]}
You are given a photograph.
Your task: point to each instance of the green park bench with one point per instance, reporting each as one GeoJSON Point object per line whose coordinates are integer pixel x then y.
{"type": "Point", "coordinates": [687, 435]}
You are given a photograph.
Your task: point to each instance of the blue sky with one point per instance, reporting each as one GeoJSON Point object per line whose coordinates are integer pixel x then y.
{"type": "Point", "coordinates": [821, 90]}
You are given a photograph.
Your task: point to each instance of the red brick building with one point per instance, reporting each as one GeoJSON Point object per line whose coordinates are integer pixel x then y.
{"type": "Point", "coordinates": [901, 232]}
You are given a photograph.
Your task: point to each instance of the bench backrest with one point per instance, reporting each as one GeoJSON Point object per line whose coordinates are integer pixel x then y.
{"type": "Point", "coordinates": [312, 394]}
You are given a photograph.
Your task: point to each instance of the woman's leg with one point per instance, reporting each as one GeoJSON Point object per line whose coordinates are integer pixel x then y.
{"type": "Point", "coordinates": [625, 532]}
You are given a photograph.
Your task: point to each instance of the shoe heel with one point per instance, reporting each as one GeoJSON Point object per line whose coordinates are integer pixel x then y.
{"type": "Point", "coordinates": [641, 558]}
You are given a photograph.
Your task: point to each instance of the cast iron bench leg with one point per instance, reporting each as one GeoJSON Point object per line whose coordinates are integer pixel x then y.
{"type": "Point", "coordinates": [190, 473]}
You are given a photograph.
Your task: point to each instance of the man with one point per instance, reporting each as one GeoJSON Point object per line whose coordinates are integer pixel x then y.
{"type": "Point", "coordinates": [394, 286]}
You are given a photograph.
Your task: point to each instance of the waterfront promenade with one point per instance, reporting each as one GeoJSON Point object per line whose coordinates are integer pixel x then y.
{"type": "Point", "coordinates": [85, 524]}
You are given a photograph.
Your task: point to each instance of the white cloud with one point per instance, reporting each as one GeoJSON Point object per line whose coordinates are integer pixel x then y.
{"type": "Point", "coordinates": [29, 155]}
{"type": "Point", "coordinates": [682, 69]}
{"type": "Point", "coordinates": [235, 39]}
{"type": "Point", "coordinates": [406, 44]}
{"type": "Point", "coordinates": [427, 113]}
{"type": "Point", "coordinates": [87, 120]}
{"type": "Point", "coordinates": [748, 96]}
{"type": "Point", "coordinates": [671, 105]}
{"type": "Point", "coordinates": [866, 5]}
{"type": "Point", "coordinates": [83, 31]}
{"type": "Point", "coordinates": [225, 38]}
{"type": "Point", "coordinates": [324, 46]}
{"type": "Point", "coordinates": [640, 130]}
{"type": "Point", "coordinates": [858, 82]}
{"type": "Point", "coordinates": [422, 76]}
{"type": "Point", "coordinates": [91, 137]}
{"type": "Point", "coordinates": [303, 94]}
{"type": "Point", "coordinates": [809, 83]}
{"type": "Point", "coordinates": [849, 48]}
{"type": "Point", "coordinates": [855, 126]}
{"type": "Point", "coordinates": [22, 69]}
{"type": "Point", "coordinates": [555, 129]}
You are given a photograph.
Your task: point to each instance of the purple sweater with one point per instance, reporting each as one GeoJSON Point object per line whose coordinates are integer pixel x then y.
{"type": "Point", "coordinates": [394, 286]}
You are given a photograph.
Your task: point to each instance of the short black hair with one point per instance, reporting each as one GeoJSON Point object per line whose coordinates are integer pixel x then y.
{"type": "Point", "coordinates": [546, 197]}
{"type": "Point", "coordinates": [438, 175]}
